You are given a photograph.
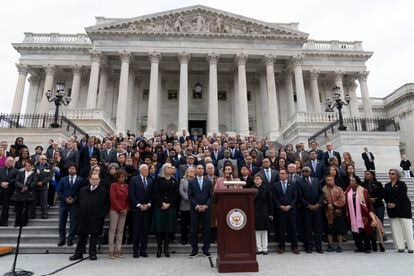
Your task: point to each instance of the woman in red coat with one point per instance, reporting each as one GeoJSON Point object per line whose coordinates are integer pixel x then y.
{"type": "Point", "coordinates": [358, 209]}
{"type": "Point", "coordinates": [117, 214]}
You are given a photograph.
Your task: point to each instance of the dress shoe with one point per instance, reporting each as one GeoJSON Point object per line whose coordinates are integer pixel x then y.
{"type": "Point", "coordinates": [135, 255]}
{"type": "Point", "coordinates": [280, 251]}
{"type": "Point", "coordinates": [92, 257]}
{"type": "Point", "coordinates": [339, 249]}
{"type": "Point", "coordinates": [320, 251]}
{"type": "Point", "coordinates": [367, 251]}
{"type": "Point", "coordinates": [206, 253]}
{"type": "Point", "coordinates": [193, 254]}
{"type": "Point", "coordinates": [143, 254]}
{"type": "Point", "coordinates": [410, 251]}
{"type": "Point", "coordinates": [70, 242]}
{"type": "Point", "coordinates": [382, 248]}
{"type": "Point", "coordinates": [75, 257]}
{"type": "Point", "coordinates": [329, 249]}
{"type": "Point", "coordinates": [61, 243]}
{"type": "Point", "coordinates": [111, 255]}
{"type": "Point", "coordinates": [295, 251]}
{"type": "Point", "coordinates": [309, 251]}
{"type": "Point", "coordinates": [4, 224]}
{"type": "Point", "coordinates": [401, 250]}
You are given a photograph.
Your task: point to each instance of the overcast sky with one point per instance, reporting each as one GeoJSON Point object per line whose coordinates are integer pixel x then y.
{"type": "Point", "coordinates": [385, 27]}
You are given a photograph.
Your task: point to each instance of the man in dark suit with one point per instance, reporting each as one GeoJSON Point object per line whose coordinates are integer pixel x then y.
{"type": "Point", "coordinates": [87, 152]}
{"type": "Point", "coordinates": [50, 152]}
{"type": "Point", "coordinates": [331, 153]}
{"type": "Point", "coordinates": [248, 162]}
{"type": "Point", "coordinates": [234, 152]}
{"type": "Point", "coordinates": [311, 196]}
{"type": "Point", "coordinates": [106, 154]}
{"type": "Point", "coordinates": [38, 152]}
{"type": "Point", "coordinates": [317, 167]}
{"type": "Point", "coordinates": [45, 175]}
{"type": "Point", "coordinates": [269, 175]}
{"type": "Point", "coordinates": [285, 197]}
{"type": "Point", "coordinates": [368, 158]}
{"type": "Point", "coordinates": [216, 154]}
{"type": "Point", "coordinates": [8, 176]}
{"type": "Point", "coordinates": [70, 155]}
{"type": "Point", "coordinates": [92, 206]}
{"type": "Point", "coordinates": [116, 153]}
{"type": "Point", "coordinates": [140, 194]}
{"type": "Point", "coordinates": [301, 154]}
{"type": "Point", "coordinates": [4, 146]}
{"type": "Point", "coordinates": [67, 191]}
{"type": "Point", "coordinates": [314, 146]}
{"type": "Point", "coordinates": [199, 195]}
{"type": "Point", "coordinates": [190, 163]}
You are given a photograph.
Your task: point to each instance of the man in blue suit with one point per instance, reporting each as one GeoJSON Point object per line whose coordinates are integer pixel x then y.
{"type": "Point", "coordinates": [140, 194]}
{"type": "Point", "coordinates": [199, 194]}
{"type": "Point", "coordinates": [317, 167]}
{"type": "Point", "coordinates": [68, 190]}
{"type": "Point", "coordinates": [285, 196]}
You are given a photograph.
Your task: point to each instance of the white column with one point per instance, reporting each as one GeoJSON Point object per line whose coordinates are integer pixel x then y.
{"type": "Point", "coordinates": [184, 58]}
{"type": "Point", "coordinates": [316, 101]}
{"type": "Point", "coordinates": [103, 84]}
{"type": "Point", "coordinates": [76, 85]}
{"type": "Point", "coordinates": [300, 88]}
{"type": "Point", "coordinates": [32, 95]}
{"type": "Point", "coordinates": [23, 70]}
{"type": "Point", "coordinates": [212, 119]}
{"type": "Point", "coordinates": [130, 98]}
{"type": "Point", "coordinates": [121, 110]}
{"type": "Point", "coordinates": [242, 95]}
{"type": "Point", "coordinates": [265, 107]}
{"type": "Point", "coordinates": [290, 94]}
{"type": "Point", "coordinates": [50, 74]}
{"type": "Point", "coordinates": [338, 75]}
{"type": "Point", "coordinates": [353, 104]}
{"type": "Point", "coordinates": [96, 57]}
{"type": "Point", "coordinates": [272, 103]}
{"type": "Point", "coordinates": [236, 104]}
{"type": "Point", "coordinates": [366, 102]}
{"type": "Point", "coordinates": [152, 122]}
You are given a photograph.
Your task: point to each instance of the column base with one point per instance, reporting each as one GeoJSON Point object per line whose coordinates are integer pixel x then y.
{"type": "Point", "coordinates": [244, 133]}
{"type": "Point", "coordinates": [149, 133]}
{"type": "Point", "coordinates": [273, 135]}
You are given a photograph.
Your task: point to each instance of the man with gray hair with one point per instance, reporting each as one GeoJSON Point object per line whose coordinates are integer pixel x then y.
{"type": "Point", "coordinates": [140, 194]}
{"type": "Point", "coordinates": [8, 176]}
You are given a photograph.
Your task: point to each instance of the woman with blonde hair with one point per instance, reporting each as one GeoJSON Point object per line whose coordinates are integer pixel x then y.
{"type": "Point", "coordinates": [185, 205]}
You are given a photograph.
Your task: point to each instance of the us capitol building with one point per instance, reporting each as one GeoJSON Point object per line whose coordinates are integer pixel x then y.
{"type": "Point", "coordinates": [206, 70]}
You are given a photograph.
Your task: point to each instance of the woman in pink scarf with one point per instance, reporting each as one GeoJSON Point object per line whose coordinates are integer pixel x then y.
{"type": "Point", "coordinates": [358, 209]}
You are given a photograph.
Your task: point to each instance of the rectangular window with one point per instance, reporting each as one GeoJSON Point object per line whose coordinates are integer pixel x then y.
{"type": "Point", "coordinates": [249, 96]}
{"type": "Point", "coordinates": [145, 94]}
{"type": "Point", "coordinates": [172, 95]}
{"type": "Point", "coordinates": [222, 95]}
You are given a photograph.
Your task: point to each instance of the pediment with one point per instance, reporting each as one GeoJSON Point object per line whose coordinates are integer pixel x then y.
{"type": "Point", "coordinates": [196, 20]}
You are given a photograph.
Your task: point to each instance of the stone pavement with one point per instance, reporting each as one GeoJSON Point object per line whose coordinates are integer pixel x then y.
{"type": "Point", "coordinates": [348, 263]}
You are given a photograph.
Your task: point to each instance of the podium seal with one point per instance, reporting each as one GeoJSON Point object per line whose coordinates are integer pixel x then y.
{"type": "Point", "coordinates": [236, 219]}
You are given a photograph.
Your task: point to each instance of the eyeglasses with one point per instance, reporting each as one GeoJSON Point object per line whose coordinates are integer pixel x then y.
{"type": "Point", "coordinates": [306, 171]}
{"type": "Point", "coordinates": [391, 173]}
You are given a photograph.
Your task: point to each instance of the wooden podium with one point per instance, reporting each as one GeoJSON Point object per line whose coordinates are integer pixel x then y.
{"type": "Point", "coordinates": [236, 240]}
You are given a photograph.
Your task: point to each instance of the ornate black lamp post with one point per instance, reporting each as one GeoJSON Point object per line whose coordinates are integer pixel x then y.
{"type": "Point", "coordinates": [59, 98]}
{"type": "Point", "coordinates": [338, 103]}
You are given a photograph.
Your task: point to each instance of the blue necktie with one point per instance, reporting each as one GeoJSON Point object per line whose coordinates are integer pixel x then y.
{"type": "Point", "coordinates": [284, 187]}
{"type": "Point", "coordinates": [200, 183]}
{"type": "Point", "coordinates": [145, 183]}
{"type": "Point", "coordinates": [90, 151]}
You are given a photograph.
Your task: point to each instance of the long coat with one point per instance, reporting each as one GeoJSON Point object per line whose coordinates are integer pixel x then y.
{"type": "Point", "coordinates": [30, 184]}
{"type": "Point", "coordinates": [263, 207]}
{"type": "Point", "coordinates": [92, 207]}
{"type": "Point", "coordinates": [399, 196]}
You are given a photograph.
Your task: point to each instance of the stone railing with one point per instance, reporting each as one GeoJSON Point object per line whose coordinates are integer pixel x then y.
{"type": "Point", "coordinates": [56, 38]}
{"type": "Point", "coordinates": [88, 114]}
{"type": "Point", "coordinates": [314, 117]}
{"type": "Point", "coordinates": [405, 89]}
{"type": "Point", "coordinates": [333, 45]}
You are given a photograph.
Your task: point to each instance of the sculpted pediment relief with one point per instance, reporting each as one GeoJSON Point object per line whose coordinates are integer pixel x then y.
{"type": "Point", "coordinates": [196, 20]}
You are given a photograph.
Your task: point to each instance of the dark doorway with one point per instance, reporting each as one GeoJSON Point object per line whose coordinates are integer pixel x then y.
{"type": "Point", "coordinates": [197, 126]}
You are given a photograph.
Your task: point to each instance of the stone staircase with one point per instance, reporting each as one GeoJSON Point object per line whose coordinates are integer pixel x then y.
{"type": "Point", "coordinates": [41, 236]}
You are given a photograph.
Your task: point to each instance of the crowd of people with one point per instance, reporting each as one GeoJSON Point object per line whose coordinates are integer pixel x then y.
{"type": "Point", "coordinates": [144, 186]}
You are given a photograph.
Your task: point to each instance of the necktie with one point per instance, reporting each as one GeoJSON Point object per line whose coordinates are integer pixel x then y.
{"type": "Point", "coordinates": [71, 181]}
{"type": "Point", "coordinates": [284, 187]}
{"type": "Point", "coordinates": [268, 175]}
{"type": "Point", "coordinates": [90, 151]}
{"type": "Point", "coordinates": [314, 165]}
{"type": "Point", "coordinates": [200, 183]}
{"type": "Point", "coordinates": [145, 183]}
{"type": "Point", "coordinates": [309, 181]}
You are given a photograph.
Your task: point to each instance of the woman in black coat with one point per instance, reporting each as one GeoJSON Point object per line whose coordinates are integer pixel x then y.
{"type": "Point", "coordinates": [24, 193]}
{"type": "Point", "coordinates": [262, 211]}
{"type": "Point", "coordinates": [399, 211]}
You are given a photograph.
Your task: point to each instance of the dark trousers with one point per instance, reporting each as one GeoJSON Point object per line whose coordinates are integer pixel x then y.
{"type": "Point", "coordinates": [184, 225]}
{"type": "Point", "coordinates": [362, 241]}
{"type": "Point", "coordinates": [22, 213]}
{"type": "Point", "coordinates": [370, 166]}
{"type": "Point", "coordinates": [140, 221]}
{"type": "Point", "coordinates": [205, 218]}
{"type": "Point", "coordinates": [313, 229]}
{"type": "Point", "coordinates": [287, 220]}
{"type": "Point", "coordinates": [51, 195]}
{"type": "Point", "coordinates": [81, 245]}
{"type": "Point", "coordinates": [5, 196]}
{"type": "Point", "coordinates": [379, 212]}
{"type": "Point", "coordinates": [300, 221]}
{"type": "Point", "coordinates": [66, 211]}
{"type": "Point", "coordinates": [40, 196]}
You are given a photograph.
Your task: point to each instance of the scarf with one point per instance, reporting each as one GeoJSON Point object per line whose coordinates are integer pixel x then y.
{"type": "Point", "coordinates": [355, 215]}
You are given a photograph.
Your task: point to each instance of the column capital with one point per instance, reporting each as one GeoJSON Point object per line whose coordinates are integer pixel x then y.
{"type": "Point", "coordinates": [296, 60]}
{"type": "Point", "coordinates": [50, 69]}
{"type": "Point", "coordinates": [241, 59]}
{"type": "Point", "coordinates": [184, 57]}
{"type": "Point", "coordinates": [212, 58]}
{"type": "Point", "coordinates": [154, 56]}
{"type": "Point", "coordinates": [77, 69]}
{"type": "Point", "coordinates": [33, 80]}
{"type": "Point", "coordinates": [314, 74]}
{"type": "Point", "coordinates": [125, 56]}
{"type": "Point", "coordinates": [22, 69]}
{"type": "Point", "coordinates": [96, 55]}
{"type": "Point", "coordinates": [338, 75]}
{"type": "Point", "coordinates": [269, 59]}
{"type": "Point", "coordinates": [363, 75]}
